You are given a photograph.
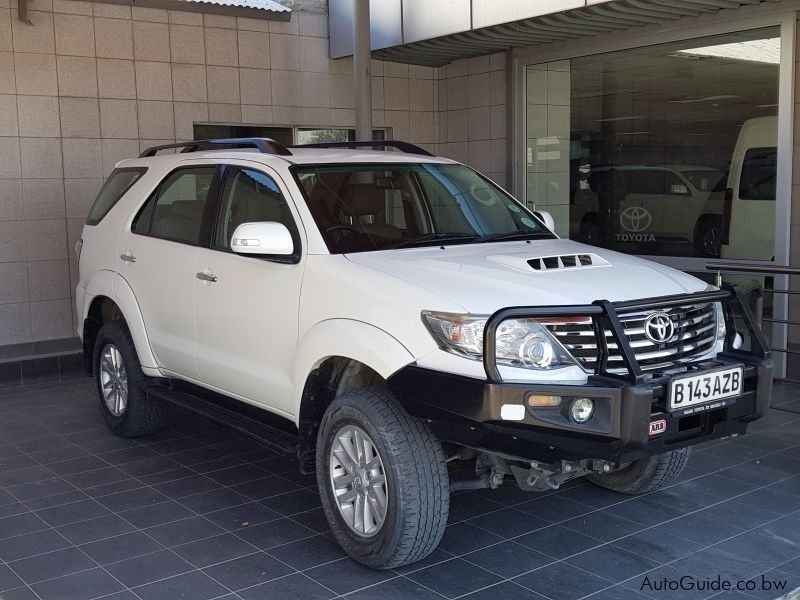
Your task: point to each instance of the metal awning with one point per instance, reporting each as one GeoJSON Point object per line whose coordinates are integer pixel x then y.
{"type": "Point", "coordinates": [254, 9]}
{"type": "Point", "coordinates": [585, 21]}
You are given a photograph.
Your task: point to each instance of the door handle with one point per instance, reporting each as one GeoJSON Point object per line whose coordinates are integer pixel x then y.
{"type": "Point", "coordinates": [203, 276]}
{"type": "Point", "coordinates": [128, 258]}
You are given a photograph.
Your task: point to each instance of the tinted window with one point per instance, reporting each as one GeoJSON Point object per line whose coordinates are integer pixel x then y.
{"type": "Point", "coordinates": [249, 197]}
{"type": "Point", "coordinates": [119, 182]}
{"type": "Point", "coordinates": [377, 207]}
{"type": "Point", "coordinates": [759, 169]}
{"type": "Point", "coordinates": [175, 212]}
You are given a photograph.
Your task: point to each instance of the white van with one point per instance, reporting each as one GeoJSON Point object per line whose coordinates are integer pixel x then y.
{"type": "Point", "coordinates": [749, 216]}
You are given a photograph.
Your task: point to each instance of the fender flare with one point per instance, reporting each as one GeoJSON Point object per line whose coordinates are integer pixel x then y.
{"type": "Point", "coordinates": [114, 286]}
{"type": "Point", "coordinates": [351, 339]}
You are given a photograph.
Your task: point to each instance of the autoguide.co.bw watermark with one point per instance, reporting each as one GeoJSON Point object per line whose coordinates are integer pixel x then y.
{"type": "Point", "coordinates": [717, 584]}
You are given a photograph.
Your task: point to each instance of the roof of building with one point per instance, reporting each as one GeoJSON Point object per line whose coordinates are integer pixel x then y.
{"type": "Point", "coordinates": [269, 5]}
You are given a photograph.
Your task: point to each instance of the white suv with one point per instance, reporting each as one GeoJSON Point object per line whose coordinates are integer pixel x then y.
{"type": "Point", "coordinates": [396, 315]}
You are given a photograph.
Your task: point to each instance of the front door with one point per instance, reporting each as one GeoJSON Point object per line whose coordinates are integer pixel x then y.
{"type": "Point", "coordinates": [247, 306]}
{"type": "Point", "coordinates": [157, 257]}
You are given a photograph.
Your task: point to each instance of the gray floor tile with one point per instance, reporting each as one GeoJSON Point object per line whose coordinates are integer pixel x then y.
{"type": "Point", "coordinates": [309, 552]}
{"type": "Point", "coordinates": [53, 564]}
{"type": "Point", "coordinates": [612, 563]}
{"type": "Point", "coordinates": [194, 585]}
{"type": "Point", "coordinates": [25, 546]}
{"type": "Point", "coordinates": [183, 531]}
{"type": "Point", "coordinates": [291, 587]}
{"type": "Point", "coordinates": [209, 551]}
{"type": "Point", "coordinates": [150, 567]}
{"type": "Point", "coordinates": [454, 578]}
{"type": "Point", "coordinates": [8, 579]}
{"type": "Point", "coordinates": [346, 575]}
{"type": "Point", "coordinates": [248, 571]}
{"type": "Point", "coordinates": [121, 547]}
{"type": "Point", "coordinates": [86, 585]}
{"type": "Point", "coordinates": [508, 559]}
{"type": "Point", "coordinates": [562, 581]}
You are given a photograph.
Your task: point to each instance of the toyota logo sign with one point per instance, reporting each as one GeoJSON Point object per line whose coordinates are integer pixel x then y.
{"type": "Point", "coordinates": [635, 219]}
{"type": "Point", "coordinates": [659, 328]}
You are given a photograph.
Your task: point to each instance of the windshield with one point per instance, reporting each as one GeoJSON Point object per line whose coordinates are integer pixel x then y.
{"type": "Point", "coordinates": [360, 208]}
{"type": "Point", "coordinates": [702, 180]}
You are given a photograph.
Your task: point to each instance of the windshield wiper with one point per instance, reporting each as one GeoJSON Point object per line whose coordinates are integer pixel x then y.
{"type": "Point", "coordinates": [518, 235]}
{"type": "Point", "coordinates": [433, 238]}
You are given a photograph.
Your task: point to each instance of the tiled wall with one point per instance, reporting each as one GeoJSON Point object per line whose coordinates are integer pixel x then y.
{"type": "Point", "coordinates": [90, 83]}
{"type": "Point", "coordinates": [472, 114]}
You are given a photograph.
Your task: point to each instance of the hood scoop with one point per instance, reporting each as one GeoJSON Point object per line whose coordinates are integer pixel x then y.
{"type": "Point", "coordinates": [560, 262]}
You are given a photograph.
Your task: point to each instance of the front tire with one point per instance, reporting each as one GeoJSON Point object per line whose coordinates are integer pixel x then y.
{"type": "Point", "coordinates": [126, 408]}
{"type": "Point", "coordinates": [382, 478]}
{"type": "Point", "coordinates": [646, 474]}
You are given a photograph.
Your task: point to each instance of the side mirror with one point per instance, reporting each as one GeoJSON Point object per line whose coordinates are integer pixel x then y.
{"type": "Point", "coordinates": [266, 237]}
{"type": "Point", "coordinates": [547, 218]}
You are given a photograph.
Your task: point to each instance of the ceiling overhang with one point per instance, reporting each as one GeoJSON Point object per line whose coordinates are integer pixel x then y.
{"type": "Point", "coordinates": [585, 21]}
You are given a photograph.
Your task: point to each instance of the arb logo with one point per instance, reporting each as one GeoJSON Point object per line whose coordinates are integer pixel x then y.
{"type": "Point", "coordinates": [657, 427]}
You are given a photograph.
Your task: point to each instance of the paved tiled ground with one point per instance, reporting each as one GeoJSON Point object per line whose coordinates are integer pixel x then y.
{"type": "Point", "coordinates": [201, 512]}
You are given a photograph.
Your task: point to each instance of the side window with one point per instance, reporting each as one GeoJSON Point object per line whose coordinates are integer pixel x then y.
{"type": "Point", "coordinates": [673, 186]}
{"type": "Point", "coordinates": [119, 182]}
{"type": "Point", "coordinates": [175, 212]}
{"type": "Point", "coordinates": [249, 196]}
{"type": "Point", "coordinates": [759, 169]}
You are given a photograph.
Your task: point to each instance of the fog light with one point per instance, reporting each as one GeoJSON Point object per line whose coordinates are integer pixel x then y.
{"type": "Point", "coordinates": [581, 410]}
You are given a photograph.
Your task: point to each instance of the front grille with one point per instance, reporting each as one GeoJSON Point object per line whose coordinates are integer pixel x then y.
{"type": "Point", "coordinates": [695, 334]}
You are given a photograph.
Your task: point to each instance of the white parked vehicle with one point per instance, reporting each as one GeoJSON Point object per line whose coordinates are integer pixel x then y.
{"type": "Point", "coordinates": [654, 205]}
{"type": "Point", "coordinates": [749, 223]}
{"type": "Point", "coordinates": [397, 313]}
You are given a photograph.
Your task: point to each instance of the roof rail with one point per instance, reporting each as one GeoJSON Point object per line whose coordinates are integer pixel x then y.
{"type": "Point", "coordinates": [402, 146]}
{"type": "Point", "coordinates": [264, 145]}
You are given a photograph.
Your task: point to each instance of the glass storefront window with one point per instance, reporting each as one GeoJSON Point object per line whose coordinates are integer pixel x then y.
{"type": "Point", "coordinates": [664, 150]}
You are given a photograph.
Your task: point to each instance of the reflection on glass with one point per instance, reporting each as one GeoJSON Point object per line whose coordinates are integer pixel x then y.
{"type": "Point", "coordinates": [664, 150]}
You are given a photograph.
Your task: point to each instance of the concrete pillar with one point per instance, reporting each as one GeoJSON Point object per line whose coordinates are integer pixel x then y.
{"type": "Point", "coordinates": [362, 87]}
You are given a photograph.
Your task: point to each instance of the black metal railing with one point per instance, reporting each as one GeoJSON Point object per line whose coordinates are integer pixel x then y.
{"type": "Point", "coordinates": [762, 270]}
{"type": "Point", "coordinates": [605, 317]}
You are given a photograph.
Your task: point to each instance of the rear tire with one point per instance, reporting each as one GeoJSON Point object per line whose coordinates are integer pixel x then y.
{"type": "Point", "coordinates": [708, 237]}
{"type": "Point", "coordinates": [127, 409]}
{"type": "Point", "coordinates": [645, 475]}
{"type": "Point", "coordinates": [414, 484]}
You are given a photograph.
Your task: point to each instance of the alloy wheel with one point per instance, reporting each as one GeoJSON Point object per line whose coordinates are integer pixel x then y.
{"type": "Point", "coordinates": [358, 481]}
{"type": "Point", "coordinates": [113, 380]}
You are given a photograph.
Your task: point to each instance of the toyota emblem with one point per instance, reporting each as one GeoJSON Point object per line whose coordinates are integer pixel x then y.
{"type": "Point", "coordinates": [659, 328]}
{"type": "Point", "coordinates": [635, 219]}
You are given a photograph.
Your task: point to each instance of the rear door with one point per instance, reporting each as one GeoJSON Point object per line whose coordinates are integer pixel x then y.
{"type": "Point", "coordinates": [247, 307]}
{"type": "Point", "coordinates": [157, 257]}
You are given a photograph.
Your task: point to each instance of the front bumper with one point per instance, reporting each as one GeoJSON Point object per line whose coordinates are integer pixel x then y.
{"type": "Point", "coordinates": [469, 411]}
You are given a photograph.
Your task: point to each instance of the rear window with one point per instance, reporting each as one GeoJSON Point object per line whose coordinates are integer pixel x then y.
{"type": "Point", "coordinates": [759, 170]}
{"type": "Point", "coordinates": [119, 182]}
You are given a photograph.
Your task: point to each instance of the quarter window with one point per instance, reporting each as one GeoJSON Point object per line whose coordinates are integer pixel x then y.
{"type": "Point", "coordinates": [115, 187]}
{"type": "Point", "coordinates": [249, 196]}
{"type": "Point", "coordinates": [175, 212]}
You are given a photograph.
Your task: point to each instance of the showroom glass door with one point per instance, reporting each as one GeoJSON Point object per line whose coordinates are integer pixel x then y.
{"type": "Point", "coordinates": [666, 151]}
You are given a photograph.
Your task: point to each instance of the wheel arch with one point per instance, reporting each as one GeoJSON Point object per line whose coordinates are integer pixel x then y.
{"type": "Point", "coordinates": [109, 297]}
{"type": "Point", "coordinates": [334, 357]}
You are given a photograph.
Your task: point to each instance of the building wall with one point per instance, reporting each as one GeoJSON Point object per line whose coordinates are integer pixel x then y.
{"type": "Point", "coordinates": [471, 114]}
{"type": "Point", "coordinates": [89, 84]}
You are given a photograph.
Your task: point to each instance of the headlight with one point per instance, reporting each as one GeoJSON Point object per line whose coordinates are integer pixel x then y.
{"type": "Point", "coordinates": [719, 315]}
{"type": "Point", "coordinates": [521, 343]}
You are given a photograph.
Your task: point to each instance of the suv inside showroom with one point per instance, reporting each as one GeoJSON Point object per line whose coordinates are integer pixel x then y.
{"type": "Point", "coordinates": [404, 327]}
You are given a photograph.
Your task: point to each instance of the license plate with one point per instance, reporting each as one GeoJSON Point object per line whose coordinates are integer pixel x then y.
{"type": "Point", "coordinates": [691, 391]}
